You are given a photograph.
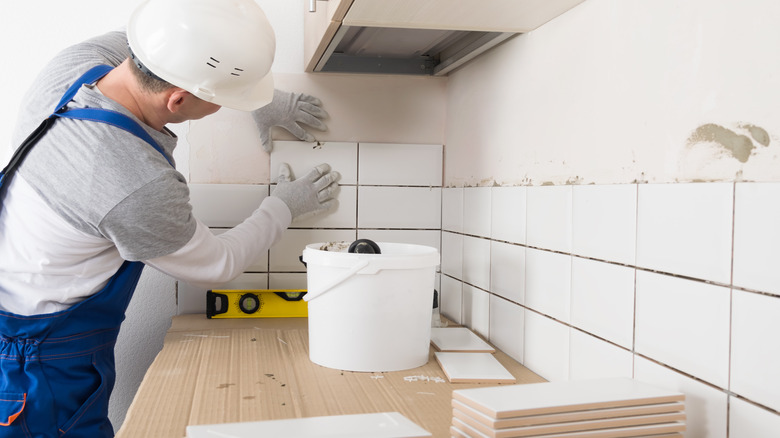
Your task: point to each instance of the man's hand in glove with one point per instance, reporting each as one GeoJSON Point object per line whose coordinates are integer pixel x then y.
{"type": "Point", "coordinates": [314, 193]}
{"type": "Point", "coordinates": [289, 110]}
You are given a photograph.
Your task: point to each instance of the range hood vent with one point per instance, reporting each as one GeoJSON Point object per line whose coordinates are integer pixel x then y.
{"type": "Point", "coordinates": [384, 50]}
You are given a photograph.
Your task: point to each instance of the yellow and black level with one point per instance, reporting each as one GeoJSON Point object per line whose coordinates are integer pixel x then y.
{"type": "Point", "coordinates": [256, 303]}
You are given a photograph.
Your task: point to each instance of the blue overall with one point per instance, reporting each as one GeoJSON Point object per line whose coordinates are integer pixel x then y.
{"type": "Point", "coordinates": [58, 368]}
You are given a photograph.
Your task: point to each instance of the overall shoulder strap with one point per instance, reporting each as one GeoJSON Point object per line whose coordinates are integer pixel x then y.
{"type": "Point", "coordinates": [94, 114]}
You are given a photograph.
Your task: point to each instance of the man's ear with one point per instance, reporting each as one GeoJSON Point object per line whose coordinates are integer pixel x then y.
{"type": "Point", "coordinates": [176, 98]}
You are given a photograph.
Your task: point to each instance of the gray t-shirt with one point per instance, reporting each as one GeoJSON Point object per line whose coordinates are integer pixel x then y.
{"type": "Point", "coordinates": [101, 179]}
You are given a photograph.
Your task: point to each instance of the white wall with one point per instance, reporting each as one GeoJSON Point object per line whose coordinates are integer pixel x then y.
{"type": "Point", "coordinates": [613, 91]}
{"type": "Point", "coordinates": [588, 266]}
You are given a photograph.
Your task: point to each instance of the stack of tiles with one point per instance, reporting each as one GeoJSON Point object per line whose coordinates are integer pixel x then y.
{"type": "Point", "coordinates": [603, 408]}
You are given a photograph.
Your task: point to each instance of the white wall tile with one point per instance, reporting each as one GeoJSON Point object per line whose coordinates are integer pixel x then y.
{"type": "Point", "coordinates": [389, 164]}
{"type": "Point", "coordinates": [192, 299]}
{"type": "Point", "coordinates": [548, 217]}
{"type": "Point", "coordinates": [452, 209]}
{"type": "Point", "coordinates": [686, 229]}
{"type": "Point", "coordinates": [546, 347]}
{"type": "Point", "coordinates": [287, 280]}
{"type": "Point", "coordinates": [750, 421]}
{"type": "Point", "coordinates": [506, 327]}
{"type": "Point", "coordinates": [507, 215]}
{"type": "Point", "coordinates": [476, 310]}
{"type": "Point", "coordinates": [604, 222]}
{"type": "Point", "coordinates": [705, 406]}
{"type": "Point", "coordinates": [602, 300]}
{"type": "Point", "coordinates": [261, 265]}
{"type": "Point", "coordinates": [399, 207]}
{"type": "Point", "coordinates": [303, 156]}
{"type": "Point", "coordinates": [452, 299]}
{"type": "Point", "coordinates": [225, 205]}
{"type": "Point", "coordinates": [593, 358]}
{"type": "Point", "coordinates": [548, 283]}
{"type": "Point", "coordinates": [757, 236]}
{"type": "Point", "coordinates": [476, 261]}
{"type": "Point", "coordinates": [452, 254]}
{"type": "Point", "coordinates": [755, 351]}
{"type": "Point", "coordinates": [507, 271]}
{"type": "Point", "coordinates": [344, 215]}
{"type": "Point", "coordinates": [286, 252]}
{"type": "Point", "coordinates": [430, 238]}
{"type": "Point", "coordinates": [684, 324]}
{"type": "Point", "coordinates": [476, 211]}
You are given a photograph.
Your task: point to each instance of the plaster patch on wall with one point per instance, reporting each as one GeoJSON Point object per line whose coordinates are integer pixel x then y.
{"type": "Point", "coordinates": [714, 152]}
{"type": "Point", "coordinates": [739, 146]}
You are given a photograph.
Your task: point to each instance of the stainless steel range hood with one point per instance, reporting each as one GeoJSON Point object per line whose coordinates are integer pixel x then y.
{"type": "Point", "coordinates": [416, 37]}
{"type": "Point", "coordinates": [404, 51]}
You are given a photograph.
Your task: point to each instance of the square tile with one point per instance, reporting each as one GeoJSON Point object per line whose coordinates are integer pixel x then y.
{"type": "Point", "coordinates": [451, 299]}
{"type": "Point", "coordinates": [604, 222]}
{"type": "Point", "coordinates": [452, 254]}
{"type": "Point", "coordinates": [757, 236]}
{"type": "Point", "coordinates": [755, 353]}
{"type": "Point", "coordinates": [705, 407]}
{"type": "Point", "coordinates": [507, 271]}
{"type": "Point", "coordinates": [546, 347]}
{"type": "Point", "coordinates": [430, 238]}
{"type": "Point", "coordinates": [507, 215]}
{"type": "Point", "coordinates": [473, 367]}
{"type": "Point", "coordinates": [285, 254]}
{"type": "Point", "coordinates": [452, 209]}
{"type": "Point", "coordinates": [476, 261]}
{"type": "Point", "coordinates": [343, 216]}
{"type": "Point", "coordinates": [749, 420]}
{"type": "Point", "coordinates": [476, 211]}
{"type": "Point", "coordinates": [287, 280]}
{"type": "Point", "coordinates": [389, 164]}
{"type": "Point", "coordinates": [459, 339]}
{"type": "Point", "coordinates": [476, 310]}
{"type": "Point", "coordinates": [593, 358]}
{"type": "Point", "coordinates": [303, 157]}
{"type": "Point", "coordinates": [686, 229]}
{"type": "Point", "coordinates": [548, 283]}
{"type": "Point", "coordinates": [506, 327]}
{"type": "Point", "coordinates": [225, 205]}
{"type": "Point", "coordinates": [602, 300]}
{"type": "Point", "coordinates": [548, 217]}
{"type": "Point", "coordinates": [684, 324]}
{"type": "Point", "coordinates": [399, 207]}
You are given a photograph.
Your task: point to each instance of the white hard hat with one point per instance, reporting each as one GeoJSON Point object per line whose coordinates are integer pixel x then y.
{"type": "Point", "coordinates": [219, 50]}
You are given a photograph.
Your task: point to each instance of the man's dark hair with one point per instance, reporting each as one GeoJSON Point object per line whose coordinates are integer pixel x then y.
{"type": "Point", "coordinates": [151, 84]}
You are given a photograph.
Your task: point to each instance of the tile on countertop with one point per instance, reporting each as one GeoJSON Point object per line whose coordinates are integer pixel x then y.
{"type": "Point", "coordinates": [473, 367]}
{"type": "Point", "coordinates": [458, 339]}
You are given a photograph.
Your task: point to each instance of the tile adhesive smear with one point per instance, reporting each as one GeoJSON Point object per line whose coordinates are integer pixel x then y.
{"type": "Point", "coordinates": [370, 312]}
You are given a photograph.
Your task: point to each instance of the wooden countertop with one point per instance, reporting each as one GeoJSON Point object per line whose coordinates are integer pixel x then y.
{"type": "Point", "coordinates": [234, 370]}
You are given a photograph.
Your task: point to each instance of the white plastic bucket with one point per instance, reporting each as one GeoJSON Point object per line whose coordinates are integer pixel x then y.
{"type": "Point", "coordinates": [370, 312]}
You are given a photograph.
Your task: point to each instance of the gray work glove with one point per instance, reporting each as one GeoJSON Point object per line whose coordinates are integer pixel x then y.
{"type": "Point", "coordinates": [314, 193]}
{"type": "Point", "coordinates": [289, 110]}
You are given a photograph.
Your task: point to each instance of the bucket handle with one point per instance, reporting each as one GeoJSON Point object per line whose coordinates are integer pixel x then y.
{"type": "Point", "coordinates": [328, 286]}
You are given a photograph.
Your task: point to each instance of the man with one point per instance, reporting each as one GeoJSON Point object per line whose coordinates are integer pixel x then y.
{"type": "Point", "coordinates": [93, 196]}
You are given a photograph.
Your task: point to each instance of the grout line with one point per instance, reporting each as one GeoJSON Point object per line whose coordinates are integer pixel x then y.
{"type": "Point", "coordinates": [731, 303]}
